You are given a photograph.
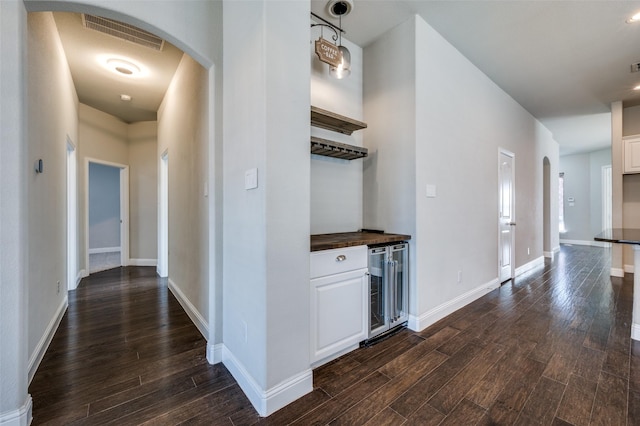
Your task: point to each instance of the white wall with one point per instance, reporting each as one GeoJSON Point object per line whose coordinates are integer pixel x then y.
{"type": "Point", "coordinates": [52, 111]}
{"type": "Point", "coordinates": [143, 190]}
{"type": "Point", "coordinates": [454, 121]}
{"type": "Point", "coordinates": [15, 402]}
{"type": "Point", "coordinates": [266, 229]}
{"type": "Point", "coordinates": [182, 132]}
{"type": "Point", "coordinates": [336, 185]}
{"type": "Point", "coordinates": [583, 182]}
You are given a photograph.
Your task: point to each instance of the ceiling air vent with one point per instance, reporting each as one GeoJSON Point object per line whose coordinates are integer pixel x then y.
{"type": "Point", "coordinates": [635, 67]}
{"type": "Point", "coordinates": [122, 31]}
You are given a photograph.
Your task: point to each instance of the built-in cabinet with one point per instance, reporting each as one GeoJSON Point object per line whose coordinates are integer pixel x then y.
{"type": "Point", "coordinates": [631, 153]}
{"type": "Point", "coordinates": [338, 308]}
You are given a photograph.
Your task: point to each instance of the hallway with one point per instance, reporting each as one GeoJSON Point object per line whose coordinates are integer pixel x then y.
{"type": "Point", "coordinates": [552, 347]}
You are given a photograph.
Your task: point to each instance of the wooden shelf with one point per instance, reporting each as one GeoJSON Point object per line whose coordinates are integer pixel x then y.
{"type": "Point", "coordinates": [337, 150]}
{"type": "Point", "coordinates": [335, 122]}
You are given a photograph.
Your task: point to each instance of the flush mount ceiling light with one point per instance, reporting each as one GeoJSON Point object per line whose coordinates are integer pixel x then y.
{"type": "Point", "coordinates": [637, 87]}
{"type": "Point", "coordinates": [124, 67]}
{"type": "Point", "coordinates": [336, 55]}
{"type": "Point", "coordinates": [634, 18]}
{"type": "Point", "coordinates": [125, 98]}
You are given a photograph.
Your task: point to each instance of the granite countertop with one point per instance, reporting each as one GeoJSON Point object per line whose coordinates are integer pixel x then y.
{"type": "Point", "coordinates": [349, 239]}
{"type": "Point", "coordinates": [619, 235]}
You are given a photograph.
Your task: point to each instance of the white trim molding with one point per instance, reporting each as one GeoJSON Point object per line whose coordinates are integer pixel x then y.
{"type": "Point", "coordinates": [530, 265]}
{"type": "Point", "coordinates": [20, 417]}
{"type": "Point", "coordinates": [591, 243]}
{"type": "Point", "coordinates": [196, 317]}
{"type": "Point", "coordinates": [419, 323]}
{"type": "Point", "coordinates": [629, 269]}
{"type": "Point", "coordinates": [104, 250]}
{"type": "Point", "coordinates": [143, 262]}
{"type": "Point", "coordinates": [214, 353]}
{"type": "Point", "coordinates": [551, 254]}
{"type": "Point", "coordinates": [45, 341]}
{"type": "Point", "coordinates": [268, 401]}
{"type": "Point", "coordinates": [635, 331]}
{"type": "Point", "coordinates": [617, 272]}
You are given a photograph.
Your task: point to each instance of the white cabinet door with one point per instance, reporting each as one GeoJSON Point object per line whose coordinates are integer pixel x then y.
{"type": "Point", "coordinates": [631, 152]}
{"type": "Point", "coordinates": [338, 313]}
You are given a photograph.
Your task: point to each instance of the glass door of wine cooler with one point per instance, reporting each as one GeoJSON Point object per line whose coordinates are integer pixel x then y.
{"type": "Point", "coordinates": [377, 291]}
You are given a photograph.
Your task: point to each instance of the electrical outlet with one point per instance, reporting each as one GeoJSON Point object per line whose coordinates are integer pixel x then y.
{"type": "Point", "coordinates": [244, 331]}
{"type": "Point", "coordinates": [459, 277]}
{"type": "Point", "coordinates": [528, 251]}
{"type": "Point", "coordinates": [58, 288]}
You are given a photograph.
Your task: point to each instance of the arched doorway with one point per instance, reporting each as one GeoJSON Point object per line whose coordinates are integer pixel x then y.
{"type": "Point", "coordinates": [192, 29]}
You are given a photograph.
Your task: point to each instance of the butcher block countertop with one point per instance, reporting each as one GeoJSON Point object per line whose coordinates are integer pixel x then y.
{"type": "Point", "coordinates": [349, 239]}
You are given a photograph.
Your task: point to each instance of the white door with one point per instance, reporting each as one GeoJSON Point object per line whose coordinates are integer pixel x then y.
{"type": "Point", "coordinates": [506, 215]}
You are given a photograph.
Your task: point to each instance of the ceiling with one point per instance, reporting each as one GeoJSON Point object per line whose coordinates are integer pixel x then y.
{"type": "Point", "coordinates": [100, 87]}
{"type": "Point", "coordinates": [564, 61]}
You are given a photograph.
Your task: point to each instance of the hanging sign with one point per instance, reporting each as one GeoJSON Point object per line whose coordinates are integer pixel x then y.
{"type": "Point", "coordinates": [328, 52]}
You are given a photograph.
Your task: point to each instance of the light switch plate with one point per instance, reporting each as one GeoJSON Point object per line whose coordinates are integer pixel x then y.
{"type": "Point", "coordinates": [251, 179]}
{"type": "Point", "coordinates": [431, 191]}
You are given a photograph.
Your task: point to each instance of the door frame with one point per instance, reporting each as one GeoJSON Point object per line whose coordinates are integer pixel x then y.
{"type": "Point", "coordinates": [505, 152]}
{"type": "Point", "coordinates": [73, 276]}
{"type": "Point", "coordinates": [124, 208]}
{"type": "Point", "coordinates": [607, 198]}
{"type": "Point", "coordinates": [163, 216]}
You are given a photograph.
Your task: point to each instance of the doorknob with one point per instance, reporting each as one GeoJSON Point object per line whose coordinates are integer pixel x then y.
{"type": "Point", "coordinates": [511, 224]}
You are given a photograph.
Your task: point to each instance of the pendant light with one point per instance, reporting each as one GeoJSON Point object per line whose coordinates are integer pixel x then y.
{"type": "Point", "coordinates": [344, 69]}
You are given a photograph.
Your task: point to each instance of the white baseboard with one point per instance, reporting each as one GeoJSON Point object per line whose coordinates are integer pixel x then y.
{"type": "Point", "coordinates": [617, 272]}
{"type": "Point", "coordinates": [551, 254]}
{"type": "Point", "coordinates": [629, 269]}
{"type": "Point", "coordinates": [419, 323]}
{"type": "Point", "coordinates": [143, 262]}
{"type": "Point", "coordinates": [269, 401]}
{"type": "Point", "coordinates": [45, 340]}
{"type": "Point", "coordinates": [214, 353]}
{"type": "Point", "coordinates": [104, 250]}
{"type": "Point", "coordinates": [530, 265]}
{"type": "Point", "coordinates": [196, 318]}
{"type": "Point", "coordinates": [635, 331]}
{"type": "Point", "coordinates": [20, 417]}
{"type": "Point", "coordinates": [582, 242]}
{"type": "Point", "coordinates": [84, 273]}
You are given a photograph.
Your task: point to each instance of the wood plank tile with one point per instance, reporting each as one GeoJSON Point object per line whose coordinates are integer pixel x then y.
{"type": "Point", "coordinates": [610, 405]}
{"type": "Point", "coordinates": [406, 359]}
{"type": "Point", "coordinates": [541, 406]}
{"type": "Point", "coordinates": [371, 405]}
{"type": "Point", "coordinates": [566, 322]}
{"type": "Point", "coordinates": [465, 413]}
{"type": "Point", "coordinates": [386, 417]}
{"type": "Point", "coordinates": [511, 400]}
{"type": "Point", "coordinates": [577, 401]}
{"type": "Point", "coordinates": [452, 393]}
{"type": "Point", "coordinates": [485, 392]}
{"type": "Point", "coordinates": [425, 416]}
{"type": "Point", "coordinates": [423, 390]}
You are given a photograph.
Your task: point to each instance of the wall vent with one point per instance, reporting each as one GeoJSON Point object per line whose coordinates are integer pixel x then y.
{"type": "Point", "coordinates": [635, 67]}
{"type": "Point", "coordinates": [122, 31]}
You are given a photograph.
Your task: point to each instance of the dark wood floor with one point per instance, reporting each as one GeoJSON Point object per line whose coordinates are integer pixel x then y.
{"type": "Point", "coordinates": [551, 347]}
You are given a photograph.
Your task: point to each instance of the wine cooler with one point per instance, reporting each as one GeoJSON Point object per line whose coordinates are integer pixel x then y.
{"type": "Point", "coordinates": [388, 288]}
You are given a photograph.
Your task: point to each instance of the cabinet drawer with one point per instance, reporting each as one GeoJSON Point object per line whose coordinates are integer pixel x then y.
{"type": "Point", "coordinates": [336, 261]}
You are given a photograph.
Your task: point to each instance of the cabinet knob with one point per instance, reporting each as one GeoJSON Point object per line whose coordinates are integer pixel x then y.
{"type": "Point", "coordinates": [341, 258]}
